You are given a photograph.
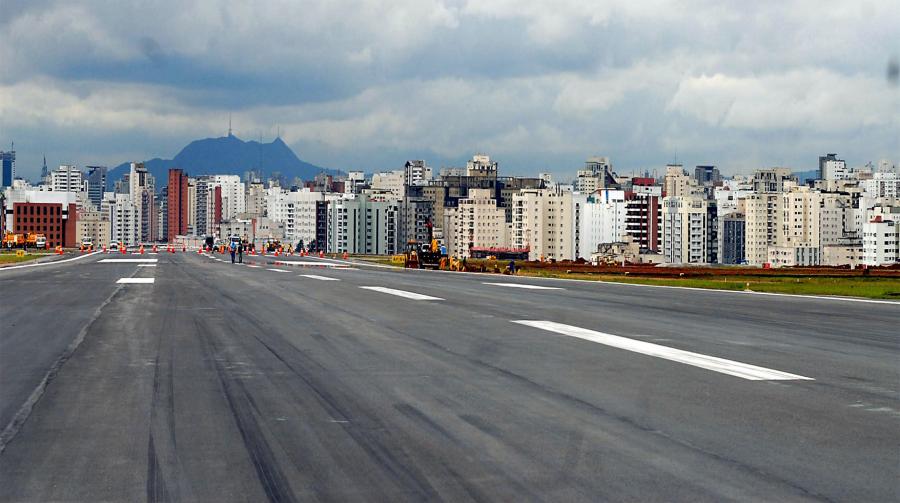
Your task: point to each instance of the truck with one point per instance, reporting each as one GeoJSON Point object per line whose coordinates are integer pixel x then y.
{"type": "Point", "coordinates": [424, 255]}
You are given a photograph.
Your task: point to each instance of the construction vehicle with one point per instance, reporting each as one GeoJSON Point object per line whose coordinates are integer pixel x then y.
{"type": "Point", "coordinates": [272, 245]}
{"type": "Point", "coordinates": [424, 255]}
{"type": "Point", "coordinates": [12, 240]}
{"type": "Point", "coordinates": [32, 240]}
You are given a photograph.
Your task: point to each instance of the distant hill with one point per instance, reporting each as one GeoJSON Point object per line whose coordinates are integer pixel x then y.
{"type": "Point", "coordinates": [802, 176]}
{"type": "Point", "coordinates": [229, 155]}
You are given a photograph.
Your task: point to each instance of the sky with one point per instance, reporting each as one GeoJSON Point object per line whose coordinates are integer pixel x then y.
{"type": "Point", "coordinates": [538, 85]}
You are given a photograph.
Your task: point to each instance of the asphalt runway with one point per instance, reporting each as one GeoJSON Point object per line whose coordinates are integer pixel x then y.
{"type": "Point", "coordinates": [187, 378]}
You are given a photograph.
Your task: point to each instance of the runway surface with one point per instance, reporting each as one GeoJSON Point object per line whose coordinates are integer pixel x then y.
{"type": "Point", "coordinates": [187, 378]}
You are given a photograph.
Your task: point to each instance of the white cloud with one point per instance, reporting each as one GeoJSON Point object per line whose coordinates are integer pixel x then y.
{"type": "Point", "coordinates": [812, 99]}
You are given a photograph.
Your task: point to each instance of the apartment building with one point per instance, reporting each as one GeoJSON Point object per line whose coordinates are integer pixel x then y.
{"type": "Point", "coordinates": [67, 179]}
{"type": "Point", "coordinates": [685, 225]}
{"type": "Point", "coordinates": [781, 219]}
{"type": "Point", "coordinates": [543, 221]}
{"type": "Point", "coordinates": [93, 225]}
{"type": "Point", "coordinates": [601, 218]}
{"type": "Point", "coordinates": [476, 222]}
{"type": "Point", "coordinates": [358, 224]}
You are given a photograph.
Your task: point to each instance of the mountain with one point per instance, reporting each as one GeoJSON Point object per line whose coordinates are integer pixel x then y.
{"type": "Point", "coordinates": [803, 176]}
{"type": "Point", "coordinates": [229, 155]}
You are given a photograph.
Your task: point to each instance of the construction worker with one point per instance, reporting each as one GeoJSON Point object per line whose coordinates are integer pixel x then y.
{"type": "Point", "coordinates": [233, 249]}
{"type": "Point", "coordinates": [240, 250]}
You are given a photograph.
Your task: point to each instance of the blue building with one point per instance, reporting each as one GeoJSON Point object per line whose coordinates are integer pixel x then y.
{"type": "Point", "coordinates": [7, 167]}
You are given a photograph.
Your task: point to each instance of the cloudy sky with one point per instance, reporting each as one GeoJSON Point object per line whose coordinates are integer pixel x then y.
{"type": "Point", "coordinates": [539, 85]}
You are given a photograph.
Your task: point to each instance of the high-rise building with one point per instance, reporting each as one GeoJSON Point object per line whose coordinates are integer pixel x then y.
{"type": "Point", "coordinates": [66, 179]}
{"type": "Point", "coordinates": [176, 205]}
{"type": "Point", "coordinates": [731, 238]}
{"type": "Point", "coordinates": [642, 204]}
{"type": "Point", "coordinates": [707, 175]}
{"type": "Point", "coordinates": [685, 229]}
{"type": "Point", "coordinates": [601, 219]}
{"type": "Point", "coordinates": [8, 167]}
{"type": "Point", "coordinates": [96, 184]}
{"type": "Point", "coordinates": [544, 222]}
{"type": "Point", "coordinates": [481, 165]}
{"type": "Point", "coordinates": [832, 168]}
{"type": "Point", "coordinates": [476, 222]}
{"type": "Point", "coordinates": [676, 182]}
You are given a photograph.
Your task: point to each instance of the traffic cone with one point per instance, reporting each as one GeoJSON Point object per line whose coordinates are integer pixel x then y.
{"type": "Point", "coordinates": [321, 254]}
{"type": "Point", "coordinates": [142, 249]}
{"type": "Point", "coordinates": [155, 250]}
{"type": "Point", "coordinates": [200, 249]}
{"type": "Point", "coordinates": [183, 248]}
{"type": "Point", "coordinates": [346, 256]}
{"type": "Point", "coordinates": [122, 249]}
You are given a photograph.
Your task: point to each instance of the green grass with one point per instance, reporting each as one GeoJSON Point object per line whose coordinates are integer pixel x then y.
{"type": "Point", "coordinates": [874, 288]}
{"type": "Point", "coordinates": [11, 258]}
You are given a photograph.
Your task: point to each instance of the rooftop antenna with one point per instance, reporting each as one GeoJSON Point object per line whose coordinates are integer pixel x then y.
{"type": "Point", "coordinates": [229, 124]}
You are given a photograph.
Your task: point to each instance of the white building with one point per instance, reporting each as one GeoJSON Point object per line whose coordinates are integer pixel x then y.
{"type": "Point", "coordinates": [544, 222]}
{"type": "Point", "coordinates": [357, 224]}
{"type": "Point", "coordinates": [67, 179]}
{"type": "Point", "coordinates": [601, 219]}
{"type": "Point", "coordinates": [882, 185]}
{"type": "Point", "coordinates": [233, 197]}
{"type": "Point", "coordinates": [832, 168]}
{"type": "Point", "coordinates": [880, 242]}
{"type": "Point", "coordinates": [296, 210]}
{"type": "Point", "coordinates": [124, 219]}
{"type": "Point", "coordinates": [684, 227]}
{"type": "Point", "coordinates": [476, 222]}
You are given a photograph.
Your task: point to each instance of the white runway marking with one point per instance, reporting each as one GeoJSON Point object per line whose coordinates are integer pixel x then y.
{"type": "Point", "coordinates": [136, 280]}
{"type": "Point", "coordinates": [320, 278]}
{"type": "Point", "coordinates": [523, 285]}
{"type": "Point", "coordinates": [401, 293]}
{"type": "Point", "coordinates": [730, 367]}
{"type": "Point", "coordinates": [253, 266]}
{"type": "Point", "coordinates": [130, 260]}
{"type": "Point", "coordinates": [276, 270]}
{"type": "Point", "coordinates": [146, 265]}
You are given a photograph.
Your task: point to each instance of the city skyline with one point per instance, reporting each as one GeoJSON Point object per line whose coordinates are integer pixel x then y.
{"type": "Point", "coordinates": [539, 87]}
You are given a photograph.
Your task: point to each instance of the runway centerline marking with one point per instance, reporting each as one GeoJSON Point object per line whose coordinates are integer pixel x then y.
{"type": "Point", "coordinates": [129, 261]}
{"type": "Point", "coordinates": [523, 285]}
{"type": "Point", "coordinates": [277, 270]}
{"type": "Point", "coordinates": [140, 281]}
{"type": "Point", "coordinates": [320, 278]}
{"type": "Point", "coordinates": [146, 265]}
{"type": "Point", "coordinates": [253, 266]}
{"type": "Point", "coordinates": [721, 365]}
{"type": "Point", "coordinates": [400, 293]}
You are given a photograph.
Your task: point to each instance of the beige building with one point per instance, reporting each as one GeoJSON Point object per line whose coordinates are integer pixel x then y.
{"type": "Point", "coordinates": [676, 182]}
{"type": "Point", "coordinates": [836, 254]}
{"type": "Point", "coordinates": [782, 219]}
{"type": "Point", "coordinates": [93, 226]}
{"type": "Point", "coordinates": [476, 222]}
{"type": "Point", "coordinates": [544, 221]}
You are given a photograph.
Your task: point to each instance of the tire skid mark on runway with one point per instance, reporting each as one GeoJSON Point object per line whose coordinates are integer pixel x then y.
{"type": "Point", "coordinates": [164, 479]}
{"type": "Point", "coordinates": [376, 440]}
{"type": "Point", "coordinates": [591, 408]}
{"type": "Point", "coordinates": [490, 467]}
{"type": "Point", "coordinates": [274, 483]}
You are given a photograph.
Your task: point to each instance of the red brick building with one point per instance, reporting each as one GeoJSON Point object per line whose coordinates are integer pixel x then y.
{"type": "Point", "coordinates": [54, 220]}
{"type": "Point", "coordinates": [177, 204]}
{"type": "Point", "coordinates": [217, 205]}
